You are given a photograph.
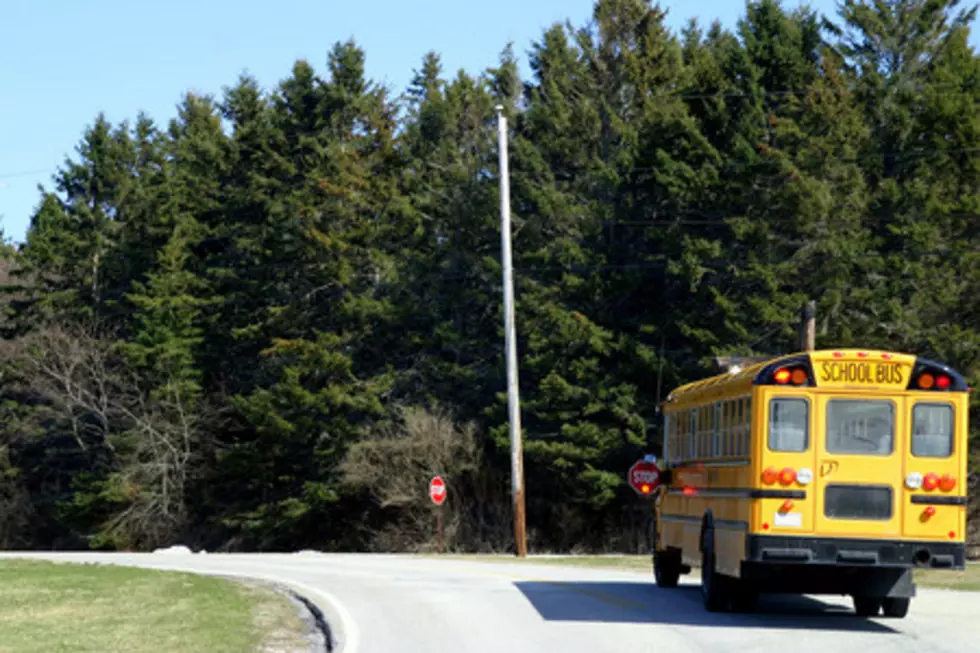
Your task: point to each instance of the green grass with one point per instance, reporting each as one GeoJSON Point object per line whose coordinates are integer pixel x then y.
{"type": "Point", "coordinates": [54, 608]}
{"type": "Point", "coordinates": [968, 579]}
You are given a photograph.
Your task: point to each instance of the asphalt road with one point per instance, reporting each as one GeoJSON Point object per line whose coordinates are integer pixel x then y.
{"type": "Point", "coordinates": [393, 604]}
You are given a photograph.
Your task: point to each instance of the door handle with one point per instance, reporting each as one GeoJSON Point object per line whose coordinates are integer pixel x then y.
{"type": "Point", "coordinates": [828, 467]}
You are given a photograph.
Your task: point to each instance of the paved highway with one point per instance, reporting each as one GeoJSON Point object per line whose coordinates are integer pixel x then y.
{"type": "Point", "coordinates": [393, 604]}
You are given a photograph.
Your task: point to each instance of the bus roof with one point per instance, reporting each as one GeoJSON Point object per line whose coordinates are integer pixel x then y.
{"type": "Point", "coordinates": [740, 380]}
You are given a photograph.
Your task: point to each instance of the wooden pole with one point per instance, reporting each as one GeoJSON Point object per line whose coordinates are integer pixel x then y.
{"type": "Point", "coordinates": [510, 343]}
{"type": "Point", "coordinates": [808, 327]}
{"type": "Point", "coordinates": [439, 529]}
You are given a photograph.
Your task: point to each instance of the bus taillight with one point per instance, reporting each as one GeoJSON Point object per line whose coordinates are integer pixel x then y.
{"type": "Point", "coordinates": [930, 482]}
{"type": "Point", "coordinates": [770, 475]}
{"type": "Point", "coordinates": [947, 482]}
{"type": "Point", "coordinates": [787, 476]}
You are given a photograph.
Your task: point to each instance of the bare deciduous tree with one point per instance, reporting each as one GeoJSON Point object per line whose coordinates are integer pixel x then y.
{"type": "Point", "coordinates": [87, 388]}
{"type": "Point", "coordinates": [395, 464]}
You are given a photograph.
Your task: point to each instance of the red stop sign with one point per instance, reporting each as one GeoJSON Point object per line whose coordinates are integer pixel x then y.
{"type": "Point", "coordinates": [644, 477]}
{"type": "Point", "coordinates": [437, 490]}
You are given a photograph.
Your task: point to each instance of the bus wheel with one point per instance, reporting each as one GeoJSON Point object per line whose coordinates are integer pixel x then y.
{"type": "Point", "coordinates": [896, 608]}
{"type": "Point", "coordinates": [867, 606]}
{"type": "Point", "coordinates": [666, 568]}
{"type": "Point", "coordinates": [712, 583]}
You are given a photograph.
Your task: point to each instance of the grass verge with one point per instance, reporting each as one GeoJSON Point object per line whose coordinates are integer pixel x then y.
{"type": "Point", "coordinates": [969, 579]}
{"type": "Point", "coordinates": [59, 607]}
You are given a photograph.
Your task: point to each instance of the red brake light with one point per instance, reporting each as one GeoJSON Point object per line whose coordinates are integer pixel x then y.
{"type": "Point", "coordinates": [782, 376]}
{"type": "Point", "coordinates": [942, 382]}
{"type": "Point", "coordinates": [930, 482]}
{"type": "Point", "coordinates": [787, 476]}
{"type": "Point", "coordinates": [947, 482]}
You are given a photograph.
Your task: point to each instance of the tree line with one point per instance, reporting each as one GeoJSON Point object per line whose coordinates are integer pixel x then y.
{"type": "Point", "coordinates": [265, 323]}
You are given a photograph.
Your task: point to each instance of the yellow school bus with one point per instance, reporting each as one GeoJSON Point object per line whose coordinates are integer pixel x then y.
{"type": "Point", "coordinates": [826, 472]}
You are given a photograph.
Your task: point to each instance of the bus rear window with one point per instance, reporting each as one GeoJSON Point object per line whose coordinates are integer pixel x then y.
{"type": "Point", "coordinates": [788, 425]}
{"type": "Point", "coordinates": [932, 430]}
{"type": "Point", "coordinates": [860, 426]}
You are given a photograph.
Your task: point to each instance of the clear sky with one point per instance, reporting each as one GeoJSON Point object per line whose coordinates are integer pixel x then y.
{"type": "Point", "coordinates": [63, 61]}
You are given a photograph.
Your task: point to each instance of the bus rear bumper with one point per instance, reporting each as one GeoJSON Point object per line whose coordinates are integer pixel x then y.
{"type": "Point", "coordinates": [860, 567]}
{"type": "Point", "coordinates": [782, 550]}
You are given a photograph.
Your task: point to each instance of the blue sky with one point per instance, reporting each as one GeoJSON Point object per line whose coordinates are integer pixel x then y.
{"type": "Point", "coordinates": [63, 61]}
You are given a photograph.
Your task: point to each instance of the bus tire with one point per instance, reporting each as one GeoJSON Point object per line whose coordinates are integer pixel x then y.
{"type": "Point", "coordinates": [666, 568]}
{"type": "Point", "coordinates": [713, 586]}
{"type": "Point", "coordinates": [896, 608]}
{"type": "Point", "coordinates": [867, 606]}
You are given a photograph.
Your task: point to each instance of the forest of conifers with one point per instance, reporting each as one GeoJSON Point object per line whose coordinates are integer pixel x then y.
{"type": "Point", "coordinates": [265, 323]}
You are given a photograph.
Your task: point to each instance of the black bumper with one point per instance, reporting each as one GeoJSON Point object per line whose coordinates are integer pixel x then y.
{"type": "Point", "coordinates": [780, 550]}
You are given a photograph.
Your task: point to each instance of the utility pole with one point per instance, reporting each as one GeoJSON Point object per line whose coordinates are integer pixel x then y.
{"type": "Point", "coordinates": [513, 399]}
{"type": "Point", "coordinates": [808, 327]}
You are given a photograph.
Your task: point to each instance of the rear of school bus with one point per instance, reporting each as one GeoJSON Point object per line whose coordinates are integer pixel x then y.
{"type": "Point", "coordinates": [867, 454]}
{"type": "Point", "coordinates": [856, 475]}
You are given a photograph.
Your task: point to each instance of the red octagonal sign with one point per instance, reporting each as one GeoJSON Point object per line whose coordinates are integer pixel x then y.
{"type": "Point", "coordinates": [437, 490]}
{"type": "Point", "coordinates": [644, 477]}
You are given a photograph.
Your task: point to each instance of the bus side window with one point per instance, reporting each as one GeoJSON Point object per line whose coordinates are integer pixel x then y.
{"type": "Point", "coordinates": [692, 437]}
{"type": "Point", "coordinates": [717, 431]}
{"type": "Point", "coordinates": [727, 417]}
{"type": "Point", "coordinates": [747, 435]}
{"type": "Point", "coordinates": [705, 432]}
{"type": "Point", "coordinates": [708, 431]}
{"type": "Point", "coordinates": [741, 426]}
